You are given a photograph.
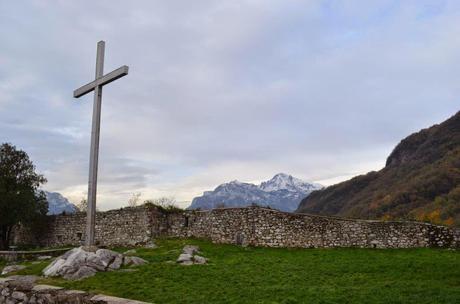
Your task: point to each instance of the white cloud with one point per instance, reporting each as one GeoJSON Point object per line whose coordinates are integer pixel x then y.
{"type": "Point", "coordinates": [223, 90]}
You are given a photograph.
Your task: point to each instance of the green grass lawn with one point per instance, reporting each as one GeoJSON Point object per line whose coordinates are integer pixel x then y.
{"type": "Point", "coordinates": [265, 275]}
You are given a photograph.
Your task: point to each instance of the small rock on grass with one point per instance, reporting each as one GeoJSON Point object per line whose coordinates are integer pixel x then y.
{"type": "Point", "coordinates": [184, 257]}
{"type": "Point", "coordinates": [12, 268]}
{"type": "Point", "coordinates": [190, 249]}
{"type": "Point", "coordinates": [188, 257]}
{"type": "Point", "coordinates": [199, 259]}
{"type": "Point", "coordinates": [134, 261]}
{"type": "Point", "coordinates": [129, 252]}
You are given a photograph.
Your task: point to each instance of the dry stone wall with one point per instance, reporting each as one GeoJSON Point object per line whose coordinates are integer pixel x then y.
{"type": "Point", "coordinates": [254, 226]}
{"type": "Point", "coordinates": [266, 227]}
{"type": "Point", "coordinates": [128, 226]}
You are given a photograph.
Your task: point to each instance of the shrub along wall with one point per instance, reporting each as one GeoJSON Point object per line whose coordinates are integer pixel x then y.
{"type": "Point", "coordinates": [246, 226]}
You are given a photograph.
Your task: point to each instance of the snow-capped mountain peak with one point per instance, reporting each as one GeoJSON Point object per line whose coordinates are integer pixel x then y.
{"type": "Point", "coordinates": [283, 192]}
{"type": "Point", "coordinates": [234, 183]}
{"type": "Point", "coordinates": [284, 181]}
{"type": "Point", "coordinates": [58, 203]}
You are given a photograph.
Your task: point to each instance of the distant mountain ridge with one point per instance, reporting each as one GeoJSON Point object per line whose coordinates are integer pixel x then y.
{"type": "Point", "coordinates": [282, 192]}
{"type": "Point", "coordinates": [58, 204]}
{"type": "Point", "coordinates": [420, 181]}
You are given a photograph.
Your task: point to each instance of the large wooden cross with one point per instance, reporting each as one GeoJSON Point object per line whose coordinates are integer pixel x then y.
{"type": "Point", "coordinates": [96, 86]}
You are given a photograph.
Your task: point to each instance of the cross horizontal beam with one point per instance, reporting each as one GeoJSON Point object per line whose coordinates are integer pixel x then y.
{"type": "Point", "coordinates": [107, 78]}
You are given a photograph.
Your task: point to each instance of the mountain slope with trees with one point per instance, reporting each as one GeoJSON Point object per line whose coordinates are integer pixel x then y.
{"type": "Point", "coordinates": [420, 181]}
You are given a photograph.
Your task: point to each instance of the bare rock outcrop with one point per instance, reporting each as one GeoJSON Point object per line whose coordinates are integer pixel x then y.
{"type": "Point", "coordinates": [84, 262]}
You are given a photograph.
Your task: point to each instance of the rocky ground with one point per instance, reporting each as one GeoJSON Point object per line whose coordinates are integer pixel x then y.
{"type": "Point", "coordinates": [76, 265]}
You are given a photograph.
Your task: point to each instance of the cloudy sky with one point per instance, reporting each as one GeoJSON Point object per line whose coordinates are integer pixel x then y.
{"type": "Point", "coordinates": [223, 90]}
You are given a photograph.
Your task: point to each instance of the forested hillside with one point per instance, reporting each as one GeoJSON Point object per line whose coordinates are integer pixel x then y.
{"type": "Point", "coordinates": [421, 181]}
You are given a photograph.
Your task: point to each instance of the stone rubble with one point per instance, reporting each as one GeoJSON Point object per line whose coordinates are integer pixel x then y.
{"type": "Point", "coordinates": [189, 256]}
{"type": "Point", "coordinates": [23, 281]}
{"type": "Point", "coordinates": [22, 289]}
{"type": "Point", "coordinates": [84, 262]}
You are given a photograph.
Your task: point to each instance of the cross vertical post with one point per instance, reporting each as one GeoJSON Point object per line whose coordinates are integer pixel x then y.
{"type": "Point", "coordinates": [96, 86]}
{"type": "Point", "coordinates": [94, 150]}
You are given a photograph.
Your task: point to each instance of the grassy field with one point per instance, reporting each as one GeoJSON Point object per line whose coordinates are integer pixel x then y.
{"type": "Point", "coordinates": [264, 275]}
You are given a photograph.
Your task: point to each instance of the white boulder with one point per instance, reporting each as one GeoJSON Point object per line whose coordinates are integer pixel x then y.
{"type": "Point", "coordinates": [83, 262]}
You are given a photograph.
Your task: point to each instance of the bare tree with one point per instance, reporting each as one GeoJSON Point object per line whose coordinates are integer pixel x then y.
{"type": "Point", "coordinates": [82, 206]}
{"type": "Point", "coordinates": [134, 199]}
{"type": "Point", "coordinates": [165, 201]}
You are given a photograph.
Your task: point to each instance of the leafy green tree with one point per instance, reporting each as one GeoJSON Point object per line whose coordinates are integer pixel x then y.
{"type": "Point", "coordinates": [20, 200]}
